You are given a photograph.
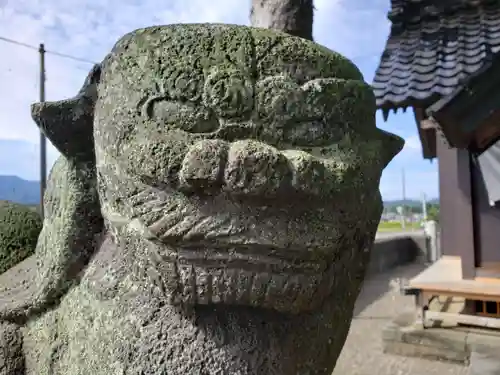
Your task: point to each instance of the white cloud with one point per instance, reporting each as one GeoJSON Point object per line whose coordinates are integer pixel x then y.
{"type": "Point", "coordinates": [413, 144]}
{"type": "Point", "coordinates": [84, 29]}
{"type": "Point", "coordinates": [356, 28]}
{"type": "Point", "coordinates": [412, 148]}
{"type": "Point", "coordinates": [88, 29]}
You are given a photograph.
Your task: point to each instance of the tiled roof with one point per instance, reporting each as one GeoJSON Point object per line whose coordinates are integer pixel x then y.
{"type": "Point", "coordinates": [433, 46]}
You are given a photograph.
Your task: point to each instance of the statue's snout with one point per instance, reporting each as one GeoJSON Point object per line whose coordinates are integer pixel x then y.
{"type": "Point", "coordinates": [391, 146]}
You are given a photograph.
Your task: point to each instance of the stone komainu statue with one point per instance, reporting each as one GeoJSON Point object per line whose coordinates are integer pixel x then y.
{"type": "Point", "coordinates": [212, 211]}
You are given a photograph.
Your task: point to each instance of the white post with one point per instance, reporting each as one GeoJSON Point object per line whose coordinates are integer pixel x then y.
{"type": "Point", "coordinates": [424, 208]}
{"type": "Point", "coordinates": [431, 232]}
{"type": "Point", "coordinates": [403, 188]}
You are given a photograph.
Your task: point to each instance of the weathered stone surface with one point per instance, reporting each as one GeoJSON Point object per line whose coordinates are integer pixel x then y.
{"type": "Point", "coordinates": [11, 344]}
{"type": "Point", "coordinates": [237, 172]}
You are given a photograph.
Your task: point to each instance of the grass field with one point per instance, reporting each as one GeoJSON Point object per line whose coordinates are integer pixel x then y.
{"type": "Point", "coordinates": [395, 226]}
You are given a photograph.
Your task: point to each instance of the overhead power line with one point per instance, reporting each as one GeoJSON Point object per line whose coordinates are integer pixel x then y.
{"type": "Point", "coordinates": [55, 53]}
{"type": "Point", "coordinates": [42, 52]}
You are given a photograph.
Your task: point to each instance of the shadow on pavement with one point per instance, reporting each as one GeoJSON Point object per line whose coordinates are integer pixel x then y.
{"type": "Point", "coordinates": [375, 286]}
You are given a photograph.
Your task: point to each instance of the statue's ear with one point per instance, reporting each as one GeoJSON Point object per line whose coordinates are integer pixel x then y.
{"type": "Point", "coordinates": [68, 124]}
{"type": "Point", "coordinates": [73, 219]}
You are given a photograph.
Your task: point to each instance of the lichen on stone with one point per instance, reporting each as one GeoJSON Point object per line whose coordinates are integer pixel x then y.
{"type": "Point", "coordinates": [233, 173]}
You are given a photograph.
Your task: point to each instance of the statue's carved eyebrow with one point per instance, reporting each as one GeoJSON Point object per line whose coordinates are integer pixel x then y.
{"type": "Point", "coordinates": [145, 105]}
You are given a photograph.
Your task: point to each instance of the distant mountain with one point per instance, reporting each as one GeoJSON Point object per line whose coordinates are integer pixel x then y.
{"type": "Point", "coordinates": [15, 189]}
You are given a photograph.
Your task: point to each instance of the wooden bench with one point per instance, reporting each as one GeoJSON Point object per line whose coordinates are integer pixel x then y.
{"type": "Point", "coordinates": [444, 278]}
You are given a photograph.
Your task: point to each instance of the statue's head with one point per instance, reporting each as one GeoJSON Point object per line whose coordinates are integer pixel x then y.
{"type": "Point", "coordinates": [243, 164]}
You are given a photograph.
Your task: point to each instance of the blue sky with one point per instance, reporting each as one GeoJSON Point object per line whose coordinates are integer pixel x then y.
{"type": "Point", "coordinates": [88, 29]}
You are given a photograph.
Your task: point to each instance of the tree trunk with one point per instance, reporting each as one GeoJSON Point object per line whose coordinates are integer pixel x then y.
{"type": "Point", "coordinates": [294, 17]}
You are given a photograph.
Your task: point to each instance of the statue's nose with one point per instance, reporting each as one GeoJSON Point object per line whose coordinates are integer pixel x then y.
{"type": "Point", "coordinates": [391, 146]}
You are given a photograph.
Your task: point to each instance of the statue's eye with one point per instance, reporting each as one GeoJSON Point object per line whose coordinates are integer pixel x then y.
{"type": "Point", "coordinates": [229, 93]}
{"type": "Point", "coordinates": [277, 98]}
{"type": "Point", "coordinates": [190, 117]}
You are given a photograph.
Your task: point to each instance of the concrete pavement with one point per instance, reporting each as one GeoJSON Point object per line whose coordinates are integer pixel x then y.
{"type": "Point", "coordinates": [378, 303]}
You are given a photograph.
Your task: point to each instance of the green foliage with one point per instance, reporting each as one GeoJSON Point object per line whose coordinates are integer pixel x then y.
{"type": "Point", "coordinates": [412, 206]}
{"type": "Point", "coordinates": [433, 212]}
{"type": "Point", "coordinates": [395, 226]}
{"type": "Point", "coordinates": [19, 229]}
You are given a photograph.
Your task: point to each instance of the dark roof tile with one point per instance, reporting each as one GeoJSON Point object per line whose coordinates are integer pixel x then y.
{"type": "Point", "coordinates": [433, 47]}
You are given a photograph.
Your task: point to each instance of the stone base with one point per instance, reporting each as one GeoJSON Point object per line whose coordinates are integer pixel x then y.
{"type": "Point", "coordinates": [478, 348]}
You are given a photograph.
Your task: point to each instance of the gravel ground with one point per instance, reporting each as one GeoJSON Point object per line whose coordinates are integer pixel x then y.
{"type": "Point", "coordinates": [379, 302]}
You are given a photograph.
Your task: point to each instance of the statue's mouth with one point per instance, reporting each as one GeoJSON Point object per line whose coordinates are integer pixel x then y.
{"type": "Point", "coordinates": [241, 249]}
{"type": "Point", "coordinates": [287, 280]}
{"type": "Point", "coordinates": [251, 258]}
{"type": "Point", "coordinates": [219, 232]}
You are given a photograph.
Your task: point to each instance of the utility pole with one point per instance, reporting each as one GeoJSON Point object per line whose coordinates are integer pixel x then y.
{"type": "Point", "coordinates": [424, 208]}
{"type": "Point", "coordinates": [43, 141]}
{"type": "Point", "coordinates": [403, 188]}
{"type": "Point", "coordinates": [294, 17]}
